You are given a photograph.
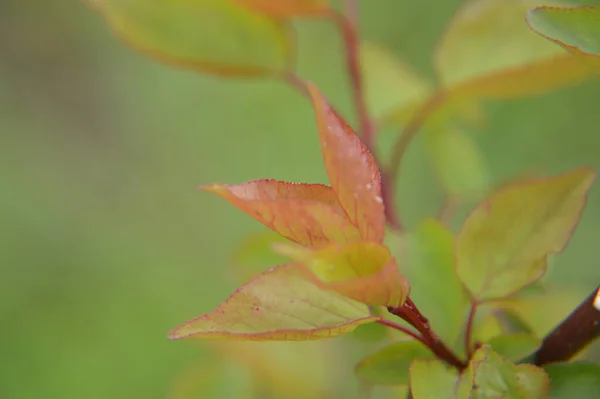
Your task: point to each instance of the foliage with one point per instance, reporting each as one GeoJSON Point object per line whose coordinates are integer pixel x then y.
{"type": "Point", "coordinates": [345, 269]}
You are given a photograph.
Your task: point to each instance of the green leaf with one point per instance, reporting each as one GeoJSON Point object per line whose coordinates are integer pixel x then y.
{"type": "Point", "coordinates": [579, 380]}
{"type": "Point", "coordinates": [390, 366]}
{"type": "Point", "coordinates": [575, 28]}
{"type": "Point", "coordinates": [254, 254]}
{"type": "Point", "coordinates": [504, 243]}
{"type": "Point", "coordinates": [457, 162]}
{"type": "Point", "coordinates": [433, 379]}
{"type": "Point", "coordinates": [371, 332]}
{"type": "Point", "coordinates": [215, 36]}
{"type": "Point", "coordinates": [488, 51]}
{"type": "Point", "coordinates": [496, 377]}
{"type": "Point", "coordinates": [515, 346]}
{"type": "Point", "coordinates": [435, 286]}
{"type": "Point", "coordinates": [280, 304]}
{"type": "Point", "coordinates": [390, 84]}
{"type": "Point", "coordinates": [512, 322]}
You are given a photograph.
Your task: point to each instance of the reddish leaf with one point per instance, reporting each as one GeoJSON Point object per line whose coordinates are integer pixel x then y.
{"type": "Point", "coordinates": [280, 304]}
{"type": "Point", "coordinates": [287, 8]}
{"type": "Point", "coordinates": [363, 271]}
{"type": "Point", "coordinates": [305, 213]}
{"type": "Point", "coordinates": [352, 172]}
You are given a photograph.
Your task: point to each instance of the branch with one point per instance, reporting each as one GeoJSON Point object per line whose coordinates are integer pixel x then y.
{"type": "Point", "coordinates": [409, 313]}
{"type": "Point", "coordinates": [403, 329]}
{"type": "Point", "coordinates": [571, 336]}
{"type": "Point", "coordinates": [469, 328]}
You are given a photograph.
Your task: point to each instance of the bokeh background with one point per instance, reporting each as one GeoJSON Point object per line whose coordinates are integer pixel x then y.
{"type": "Point", "coordinates": [105, 243]}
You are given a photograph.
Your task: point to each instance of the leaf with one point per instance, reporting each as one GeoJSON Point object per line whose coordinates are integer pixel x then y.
{"type": "Point", "coordinates": [515, 346]}
{"type": "Point", "coordinates": [575, 28]}
{"type": "Point", "coordinates": [305, 213]}
{"type": "Point", "coordinates": [433, 379]}
{"type": "Point", "coordinates": [215, 36]}
{"type": "Point", "coordinates": [496, 377]}
{"type": "Point", "coordinates": [278, 305]}
{"type": "Point", "coordinates": [458, 163]}
{"type": "Point", "coordinates": [372, 332]}
{"type": "Point", "coordinates": [435, 286]}
{"type": "Point", "coordinates": [353, 174]}
{"type": "Point", "coordinates": [488, 51]}
{"type": "Point", "coordinates": [579, 380]}
{"type": "Point", "coordinates": [390, 365]}
{"type": "Point", "coordinates": [504, 243]}
{"type": "Point", "coordinates": [254, 254]}
{"type": "Point", "coordinates": [390, 84]}
{"type": "Point", "coordinates": [512, 322]}
{"type": "Point", "coordinates": [287, 8]}
{"type": "Point", "coordinates": [363, 271]}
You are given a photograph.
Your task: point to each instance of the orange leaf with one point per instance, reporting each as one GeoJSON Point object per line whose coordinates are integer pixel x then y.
{"type": "Point", "coordinates": [352, 172]}
{"type": "Point", "coordinates": [305, 213]}
{"type": "Point", "coordinates": [280, 304]}
{"type": "Point", "coordinates": [287, 8]}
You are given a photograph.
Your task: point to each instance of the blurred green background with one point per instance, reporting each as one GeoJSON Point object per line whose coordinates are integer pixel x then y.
{"type": "Point", "coordinates": [105, 242]}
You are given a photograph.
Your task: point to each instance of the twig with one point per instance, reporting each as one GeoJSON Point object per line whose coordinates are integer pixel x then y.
{"type": "Point", "coordinates": [349, 30]}
{"type": "Point", "coordinates": [403, 329]}
{"type": "Point", "coordinates": [469, 328]}
{"type": "Point", "coordinates": [409, 313]}
{"type": "Point", "coordinates": [571, 336]}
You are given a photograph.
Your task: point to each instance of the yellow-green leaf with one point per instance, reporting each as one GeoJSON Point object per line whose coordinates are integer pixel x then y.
{"type": "Point", "coordinates": [515, 346]}
{"type": "Point", "coordinates": [457, 162]}
{"type": "Point", "coordinates": [579, 380]}
{"type": "Point", "coordinates": [280, 304]}
{"type": "Point", "coordinates": [504, 243]}
{"type": "Point", "coordinates": [287, 8]}
{"type": "Point", "coordinates": [435, 286]}
{"type": "Point", "coordinates": [361, 270]}
{"type": "Point", "coordinates": [216, 36]}
{"type": "Point", "coordinates": [496, 377]}
{"type": "Point", "coordinates": [391, 85]}
{"type": "Point", "coordinates": [488, 51]}
{"type": "Point", "coordinates": [433, 379]}
{"type": "Point", "coordinates": [390, 365]}
{"type": "Point", "coordinates": [575, 28]}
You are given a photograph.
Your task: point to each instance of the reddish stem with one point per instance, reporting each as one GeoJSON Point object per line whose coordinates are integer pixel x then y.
{"type": "Point", "coordinates": [403, 329]}
{"type": "Point", "coordinates": [349, 29]}
{"type": "Point", "coordinates": [409, 313]}
{"type": "Point", "coordinates": [469, 328]}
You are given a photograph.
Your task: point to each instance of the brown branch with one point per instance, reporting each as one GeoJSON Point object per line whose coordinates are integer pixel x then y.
{"type": "Point", "coordinates": [403, 329]}
{"type": "Point", "coordinates": [409, 313]}
{"type": "Point", "coordinates": [575, 333]}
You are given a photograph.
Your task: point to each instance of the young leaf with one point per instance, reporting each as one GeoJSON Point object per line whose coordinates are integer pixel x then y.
{"type": "Point", "coordinates": [353, 174]}
{"type": "Point", "coordinates": [213, 36]}
{"type": "Point", "coordinates": [287, 8]}
{"type": "Point", "coordinates": [435, 286]}
{"type": "Point", "coordinates": [280, 304]}
{"type": "Point", "coordinates": [363, 271]}
{"type": "Point", "coordinates": [391, 86]}
{"type": "Point", "coordinates": [457, 162]}
{"type": "Point", "coordinates": [504, 243]}
{"type": "Point", "coordinates": [308, 214]}
{"type": "Point", "coordinates": [433, 379]}
{"type": "Point", "coordinates": [579, 380]}
{"type": "Point", "coordinates": [496, 377]}
{"type": "Point", "coordinates": [515, 346]}
{"type": "Point", "coordinates": [390, 366]}
{"type": "Point", "coordinates": [575, 28]}
{"type": "Point", "coordinates": [489, 52]}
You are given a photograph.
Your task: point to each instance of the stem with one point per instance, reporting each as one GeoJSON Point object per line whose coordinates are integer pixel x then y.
{"type": "Point", "coordinates": [469, 328]}
{"type": "Point", "coordinates": [409, 313]}
{"type": "Point", "coordinates": [349, 29]}
{"type": "Point", "coordinates": [571, 336]}
{"type": "Point", "coordinates": [403, 329]}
